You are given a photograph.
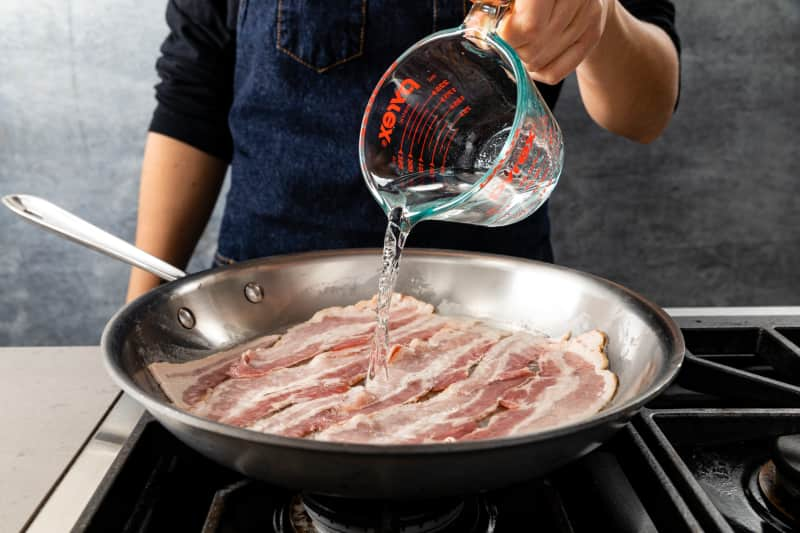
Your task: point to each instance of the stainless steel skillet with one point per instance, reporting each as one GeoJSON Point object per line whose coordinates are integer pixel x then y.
{"type": "Point", "coordinates": [200, 314]}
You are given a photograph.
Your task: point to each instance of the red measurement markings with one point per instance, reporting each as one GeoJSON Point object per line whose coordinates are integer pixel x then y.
{"type": "Point", "coordinates": [439, 88]}
{"type": "Point", "coordinates": [404, 115]}
{"type": "Point", "coordinates": [461, 114]}
{"type": "Point", "coordinates": [430, 133]}
{"type": "Point", "coordinates": [446, 150]}
{"type": "Point", "coordinates": [532, 173]}
{"type": "Point", "coordinates": [432, 136]}
{"type": "Point", "coordinates": [415, 127]}
{"type": "Point", "coordinates": [450, 109]}
{"type": "Point", "coordinates": [535, 179]}
{"type": "Point", "coordinates": [455, 103]}
{"type": "Point", "coordinates": [523, 156]}
{"type": "Point", "coordinates": [411, 146]}
{"type": "Point", "coordinates": [537, 184]}
{"type": "Point", "coordinates": [430, 124]}
{"type": "Point", "coordinates": [445, 124]}
{"type": "Point", "coordinates": [526, 150]}
{"type": "Point", "coordinates": [491, 211]}
{"type": "Point", "coordinates": [444, 127]}
{"type": "Point", "coordinates": [435, 118]}
{"type": "Point", "coordinates": [403, 120]}
{"type": "Point", "coordinates": [451, 125]}
{"type": "Point", "coordinates": [438, 136]}
{"type": "Point", "coordinates": [403, 136]}
{"type": "Point", "coordinates": [435, 91]}
{"type": "Point", "coordinates": [412, 119]}
{"type": "Point", "coordinates": [426, 128]}
{"type": "Point", "coordinates": [531, 183]}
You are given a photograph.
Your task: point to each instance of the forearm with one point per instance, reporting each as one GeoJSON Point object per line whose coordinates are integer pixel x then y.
{"type": "Point", "coordinates": [179, 187]}
{"type": "Point", "coordinates": [629, 81]}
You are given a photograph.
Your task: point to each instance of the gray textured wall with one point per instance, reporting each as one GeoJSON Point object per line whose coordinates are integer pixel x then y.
{"type": "Point", "coordinates": [709, 214]}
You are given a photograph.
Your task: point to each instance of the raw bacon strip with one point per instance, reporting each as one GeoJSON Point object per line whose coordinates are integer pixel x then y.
{"type": "Point", "coordinates": [579, 387]}
{"type": "Point", "coordinates": [456, 410]}
{"type": "Point", "coordinates": [336, 382]}
{"type": "Point", "coordinates": [235, 397]}
{"type": "Point", "coordinates": [414, 372]}
{"type": "Point", "coordinates": [243, 401]}
{"type": "Point", "coordinates": [302, 419]}
{"type": "Point", "coordinates": [331, 329]}
{"type": "Point", "coordinates": [185, 384]}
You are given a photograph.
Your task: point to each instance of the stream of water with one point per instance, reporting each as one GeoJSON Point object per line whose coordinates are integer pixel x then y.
{"type": "Point", "coordinates": [397, 231]}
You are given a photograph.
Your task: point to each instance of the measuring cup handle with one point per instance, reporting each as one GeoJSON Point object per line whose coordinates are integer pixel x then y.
{"type": "Point", "coordinates": [485, 15]}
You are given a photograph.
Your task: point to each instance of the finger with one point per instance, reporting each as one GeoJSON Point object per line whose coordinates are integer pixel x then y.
{"type": "Point", "coordinates": [563, 39]}
{"type": "Point", "coordinates": [526, 20]}
{"type": "Point", "coordinates": [566, 63]}
{"type": "Point", "coordinates": [563, 13]}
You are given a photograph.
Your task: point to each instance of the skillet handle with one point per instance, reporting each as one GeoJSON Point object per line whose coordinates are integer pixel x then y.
{"type": "Point", "coordinates": [65, 224]}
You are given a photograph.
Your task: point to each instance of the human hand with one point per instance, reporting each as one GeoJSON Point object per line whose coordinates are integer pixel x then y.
{"type": "Point", "coordinates": [553, 37]}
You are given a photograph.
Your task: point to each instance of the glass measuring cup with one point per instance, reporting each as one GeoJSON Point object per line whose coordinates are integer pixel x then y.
{"type": "Point", "coordinates": [456, 130]}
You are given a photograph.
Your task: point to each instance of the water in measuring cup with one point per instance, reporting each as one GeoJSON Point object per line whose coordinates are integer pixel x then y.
{"type": "Point", "coordinates": [418, 193]}
{"type": "Point", "coordinates": [422, 196]}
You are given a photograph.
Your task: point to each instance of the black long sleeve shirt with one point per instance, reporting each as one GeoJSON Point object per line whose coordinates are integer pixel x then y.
{"type": "Point", "coordinates": [197, 61]}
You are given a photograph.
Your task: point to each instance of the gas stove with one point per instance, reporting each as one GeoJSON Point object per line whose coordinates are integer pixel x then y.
{"type": "Point", "coordinates": [718, 451]}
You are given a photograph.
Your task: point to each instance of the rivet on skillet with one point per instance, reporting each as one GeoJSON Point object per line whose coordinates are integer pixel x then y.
{"type": "Point", "coordinates": [253, 292]}
{"type": "Point", "coordinates": [186, 318]}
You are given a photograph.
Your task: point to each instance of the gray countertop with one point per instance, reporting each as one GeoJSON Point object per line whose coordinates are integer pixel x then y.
{"type": "Point", "coordinates": [50, 401]}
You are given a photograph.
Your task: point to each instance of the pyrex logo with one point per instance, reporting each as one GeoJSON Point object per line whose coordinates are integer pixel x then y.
{"type": "Point", "coordinates": [389, 118]}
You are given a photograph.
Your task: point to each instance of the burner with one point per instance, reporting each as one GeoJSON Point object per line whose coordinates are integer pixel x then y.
{"type": "Point", "coordinates": [311, 513]}
{"type": "Point", "coordinates": [779, 479]}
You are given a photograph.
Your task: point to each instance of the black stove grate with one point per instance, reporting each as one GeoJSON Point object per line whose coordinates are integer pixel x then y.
{"type": "Point", "coordinates": [688, 462]}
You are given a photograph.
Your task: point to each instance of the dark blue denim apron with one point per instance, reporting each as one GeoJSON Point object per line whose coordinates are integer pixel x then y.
{"type": "Point", "coordinates": [304, 71]}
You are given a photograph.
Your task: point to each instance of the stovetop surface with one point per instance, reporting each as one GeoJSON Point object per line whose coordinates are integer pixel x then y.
{"type": "Point", "coordinates": [695, 459]}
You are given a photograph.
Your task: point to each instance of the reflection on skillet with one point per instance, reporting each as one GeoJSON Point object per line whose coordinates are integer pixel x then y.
{"type": "Point", "coordinates": [450, 379]}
